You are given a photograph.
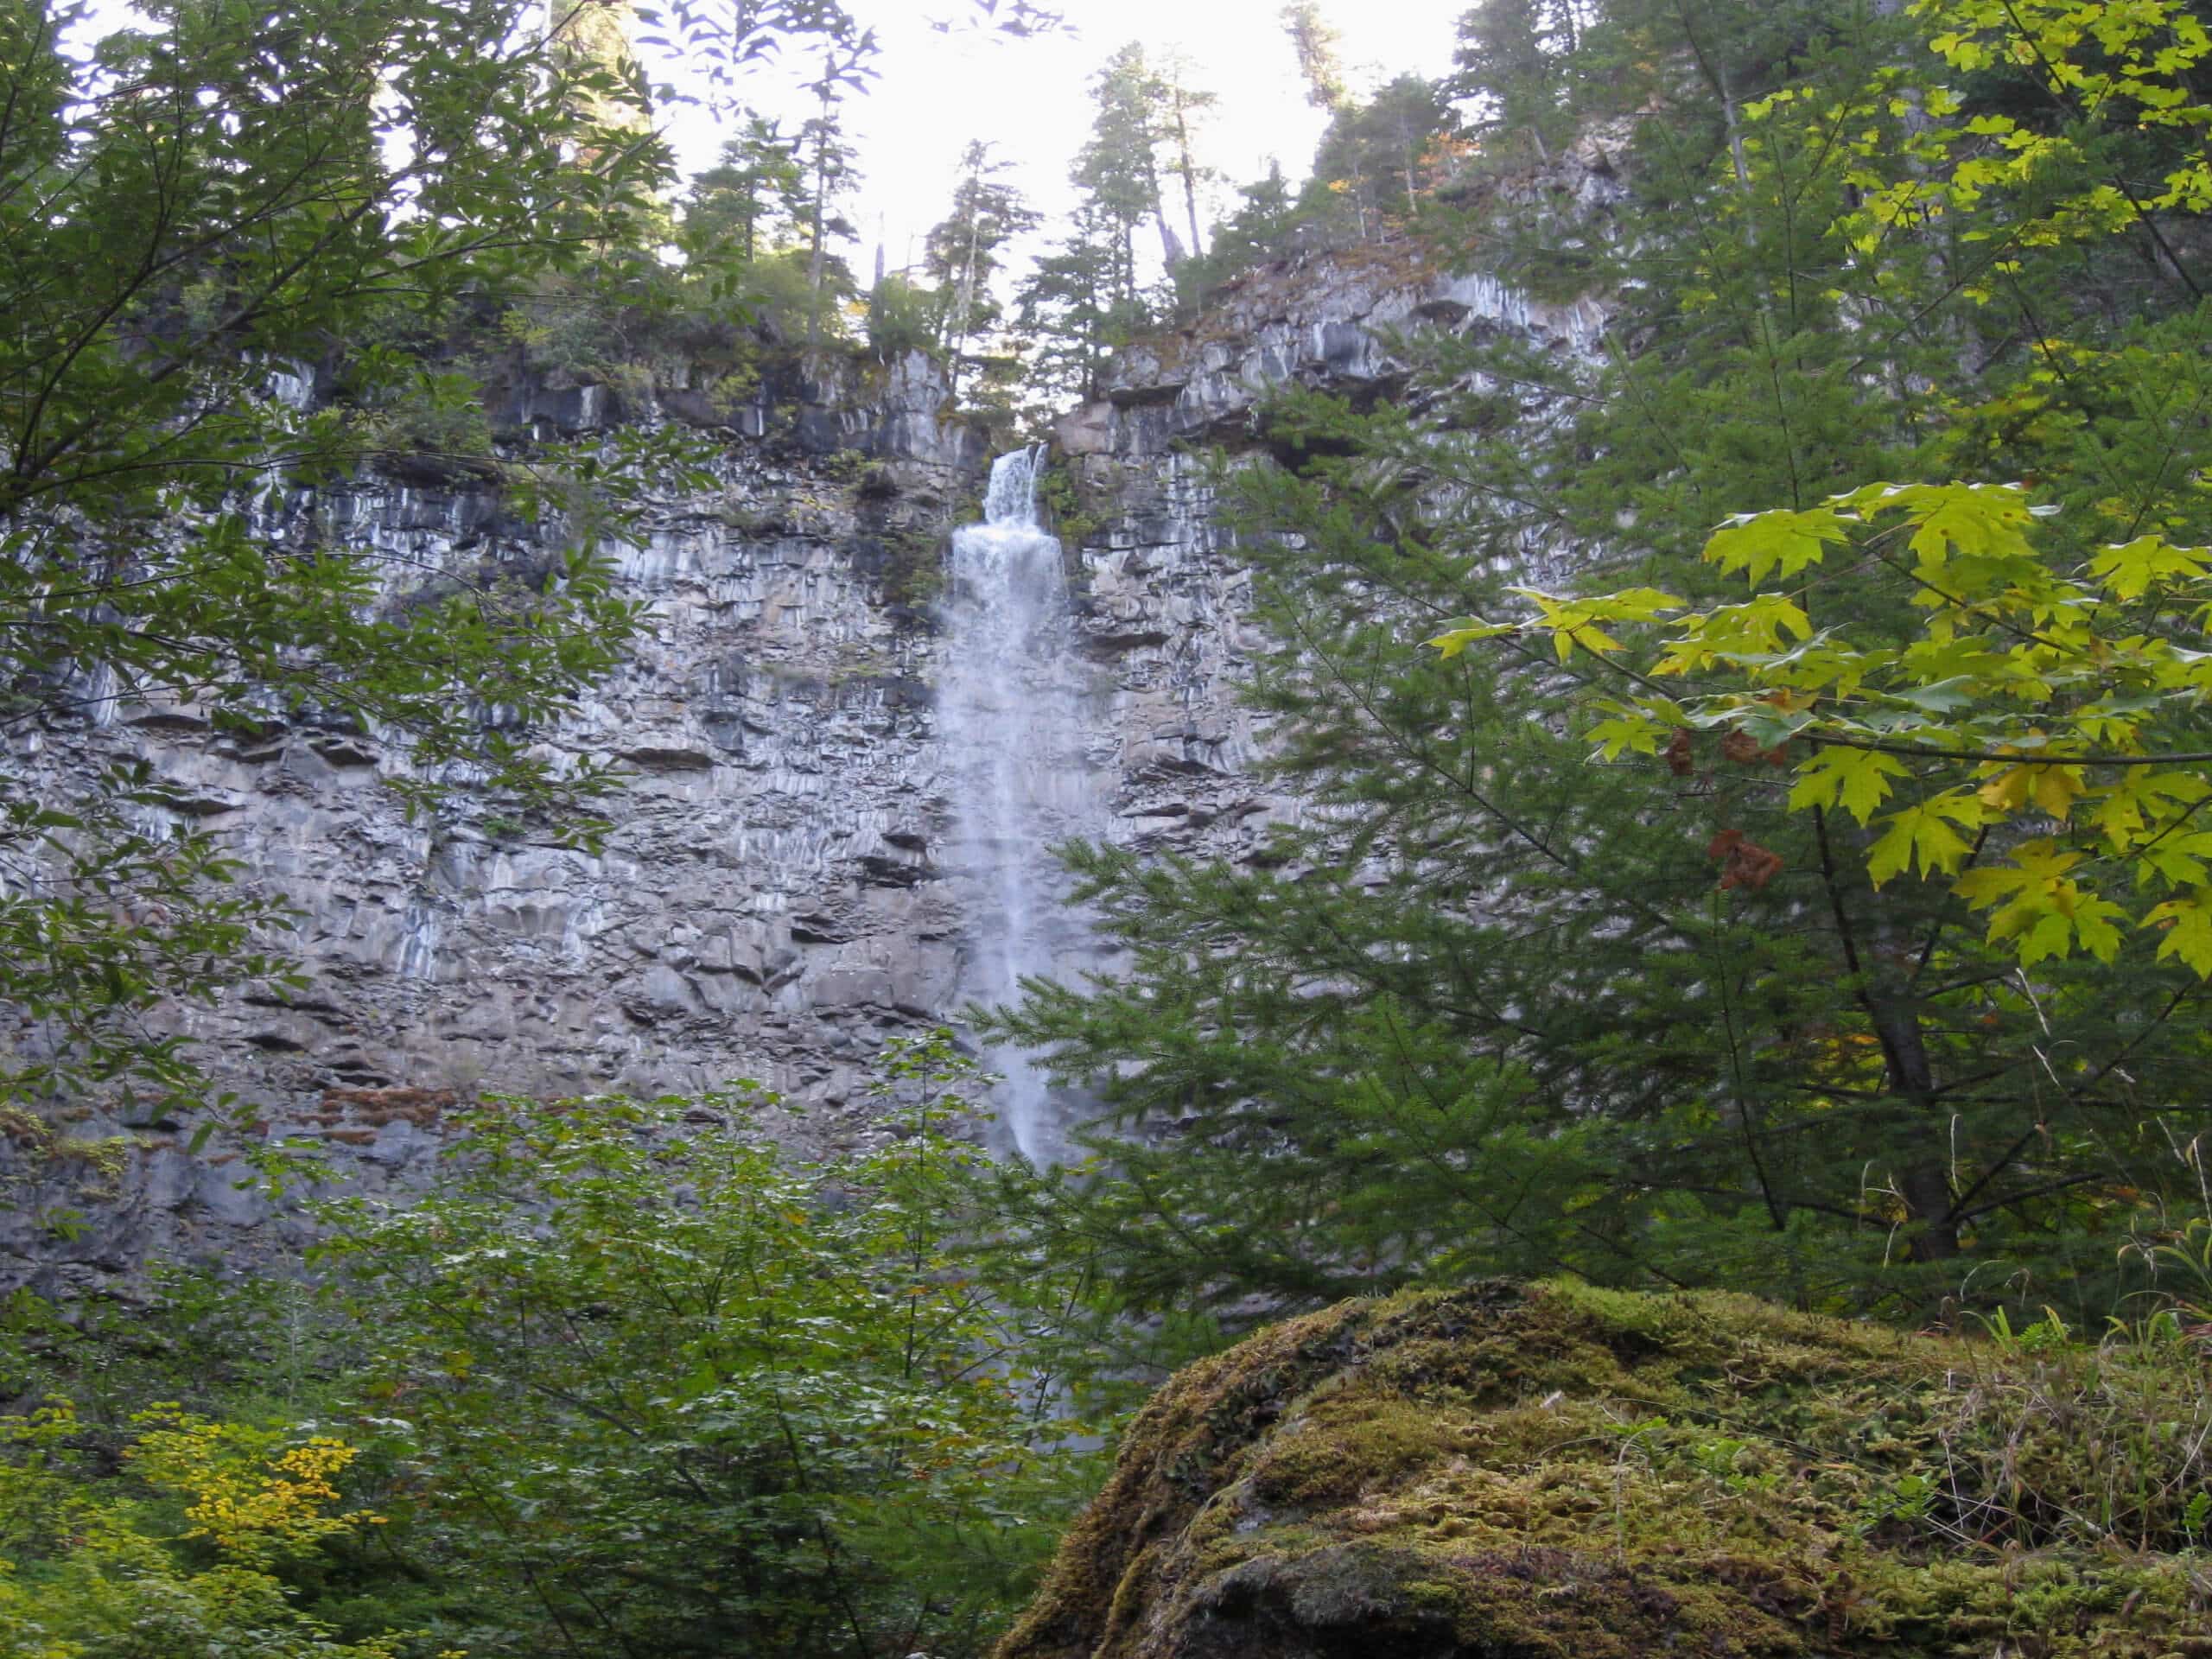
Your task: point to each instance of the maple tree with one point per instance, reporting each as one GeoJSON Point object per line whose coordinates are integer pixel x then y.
{"type": "Point", "coordinates": [2041, 745]}
{"type": "Point", "coordinates": [98, 1567]}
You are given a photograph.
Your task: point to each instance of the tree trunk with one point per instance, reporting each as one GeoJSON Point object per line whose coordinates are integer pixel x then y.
{"type": "Point", "coordinates": [963, 299]}
{"type": "Point", "coordinates": [817, 263]}
{"type": "Point", "coordinates": [1171, 249]}
{"type": "Point", "coordinates": [814, 268]}
{"type": "Point", "coordinates": [1893, 1011]}
{"type": "Point", "coordinates": [1188, 169]}
{"type": "Point", "coordinates": [1924, 1183]}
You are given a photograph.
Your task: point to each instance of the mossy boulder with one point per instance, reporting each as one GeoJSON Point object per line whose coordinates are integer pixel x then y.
{"type": "Point", "coordinates": [1558, 1472]}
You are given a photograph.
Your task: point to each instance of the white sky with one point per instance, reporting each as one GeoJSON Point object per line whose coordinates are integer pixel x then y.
{"type": "Point", "coordinates": [1031, 98]}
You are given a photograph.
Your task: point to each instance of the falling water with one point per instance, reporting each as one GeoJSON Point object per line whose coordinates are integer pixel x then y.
{"type": "Point", "coordinates": [1008, 713]}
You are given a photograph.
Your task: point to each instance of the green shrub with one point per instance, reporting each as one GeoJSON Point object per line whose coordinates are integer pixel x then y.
{"type": "Point", "coordinates": [439, 419]}
{"type": "Point", "coordinates": [179, 1558]}
{"type": "Point", "coordinates": [689, 1396]}
{"type": "Point", "coordinates": [901, 318]}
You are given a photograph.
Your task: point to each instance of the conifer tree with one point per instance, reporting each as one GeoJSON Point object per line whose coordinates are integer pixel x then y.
{"type": "Point", "coordinates": [1493, 1008]}
{"type": "Point", "coordinates": [1076, 307]}
{"type": "Point", "coordinates": [961, 253]}
{"type": "Point", "coordinates": [1511, 57]}
{"type": "Point", "coordinates": [1376, 155]}
{"type": "Point", "coordinates": [757, 183]}
{"type": "Point", "coordinates": [832, 174]}
{"type": "Point", "coordinates": [1118, 169]}
{"type": "Point", "coordinates": [1320, 59]}
{"type": "Point", "coordinates": [1183, 109]}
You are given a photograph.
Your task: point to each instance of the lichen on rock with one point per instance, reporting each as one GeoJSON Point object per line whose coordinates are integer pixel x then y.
{"type": "Point", "coordinates": [1561, 1473]}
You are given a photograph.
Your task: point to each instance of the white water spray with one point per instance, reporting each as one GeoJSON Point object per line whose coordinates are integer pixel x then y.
{"type": "Point", "coordinates": [1007, 713]}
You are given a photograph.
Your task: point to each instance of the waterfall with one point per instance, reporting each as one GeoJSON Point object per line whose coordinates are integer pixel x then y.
{"type": "Point", "coordinates": [1008, 714]}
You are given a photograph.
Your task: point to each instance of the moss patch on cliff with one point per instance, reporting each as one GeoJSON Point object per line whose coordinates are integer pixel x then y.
{"type": "Point", "coordinates": [1516, 1472]}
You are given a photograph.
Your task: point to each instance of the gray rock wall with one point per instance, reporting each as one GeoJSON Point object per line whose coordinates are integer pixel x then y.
{"type": "Point", "coordinates": [775, 900]}
{"type": "Point", "coordinates": [1328, 322]}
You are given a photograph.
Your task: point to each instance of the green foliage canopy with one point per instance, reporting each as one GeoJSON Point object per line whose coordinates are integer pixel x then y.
{"type": "Point", "coordinates": [2037, 710]}
{"type": "Point", "coordinates": [182, 1554]}
{"type": "Point", "coordinates": [676, 1392]}
{"type": "Point", "coordinates": [2031, 696]}
{"type": "Point", "coordinates": [209, 216]}
{"type": "Point", "coordinates": [1491, 1007]}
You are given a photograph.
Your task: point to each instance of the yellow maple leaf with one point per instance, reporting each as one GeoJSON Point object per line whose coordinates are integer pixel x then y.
{"type": "Point", "coordinates": [2055, 789]}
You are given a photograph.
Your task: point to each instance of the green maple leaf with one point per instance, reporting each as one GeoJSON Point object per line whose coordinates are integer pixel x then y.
{"type": "Point", "coordinates": [1757, 543]}
{"type": "Point", "coordinates": [2179, 860]}
{"type": "Point", "coordinates": [1859, 779]}
{"type": "Point", "coordinates": [2130, 570]}
{"type": "Point", "coordinates": [2188, 925]}
{"type": "Point", "coordinates": [1926, 832]}
{"type": "Point", "coordinates": [2040, 906]}
{"type": "Point", "coordinates": [2096, 924]}
{"type": "Point", "coordinates": [1452, 644]}
{"type": "Point", "coordinates": [1625, 733]}
{"type": "Point", "coordinates": [1977, 520]}
{"type": "Point", "coordinates": [1945, 696]}
{"type": "Point", "coordinates": [2144, 797]}
{"type": "Point", "coordinates": [2037, 864]}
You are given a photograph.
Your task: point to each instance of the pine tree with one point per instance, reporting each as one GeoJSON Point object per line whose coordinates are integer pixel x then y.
{"type": "Point", "coordinates": [1320, 49]}
{"type": "Point", "coordinates": [1512, 57]}
{"type": "Point", "coordinates": [1496, 1008]}
{"type": "Point", "coordinates": [832, 174]}
{"type": "Point", "coordinates": [1118, 168]}
{"type": "Point", "coordinates": [1267, 218]}
{"type": "Point", "coordinates": [757, 183]}
{"type": "Point", "coordinates": [1183, 109]}
{"type": "Point", "coordinates": [961, 253]}
{"type": "Point", "coordinates": [1374, 154]}
{"type": "Point", "coordinates": [1077, 306]}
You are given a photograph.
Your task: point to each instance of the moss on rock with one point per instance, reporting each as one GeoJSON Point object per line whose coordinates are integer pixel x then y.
{"type": "Point", "coordinates": [1558, 1472]}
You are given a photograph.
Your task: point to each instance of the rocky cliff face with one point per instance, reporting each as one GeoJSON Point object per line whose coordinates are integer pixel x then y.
{"type": "Point", "coordinates": [779, 893]}
{"type": "Point", "coordinates": [1330, 322]}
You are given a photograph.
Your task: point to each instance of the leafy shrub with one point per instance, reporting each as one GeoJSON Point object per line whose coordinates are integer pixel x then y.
{"type": "Point", "coordinates": [99, 1570]}
{"type": "Point", "coordinates": [439, 419]}
{"type": "Point", "coordinates": [901, 318]}
{"type": "Point", "coordinates": [690, 1396]}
